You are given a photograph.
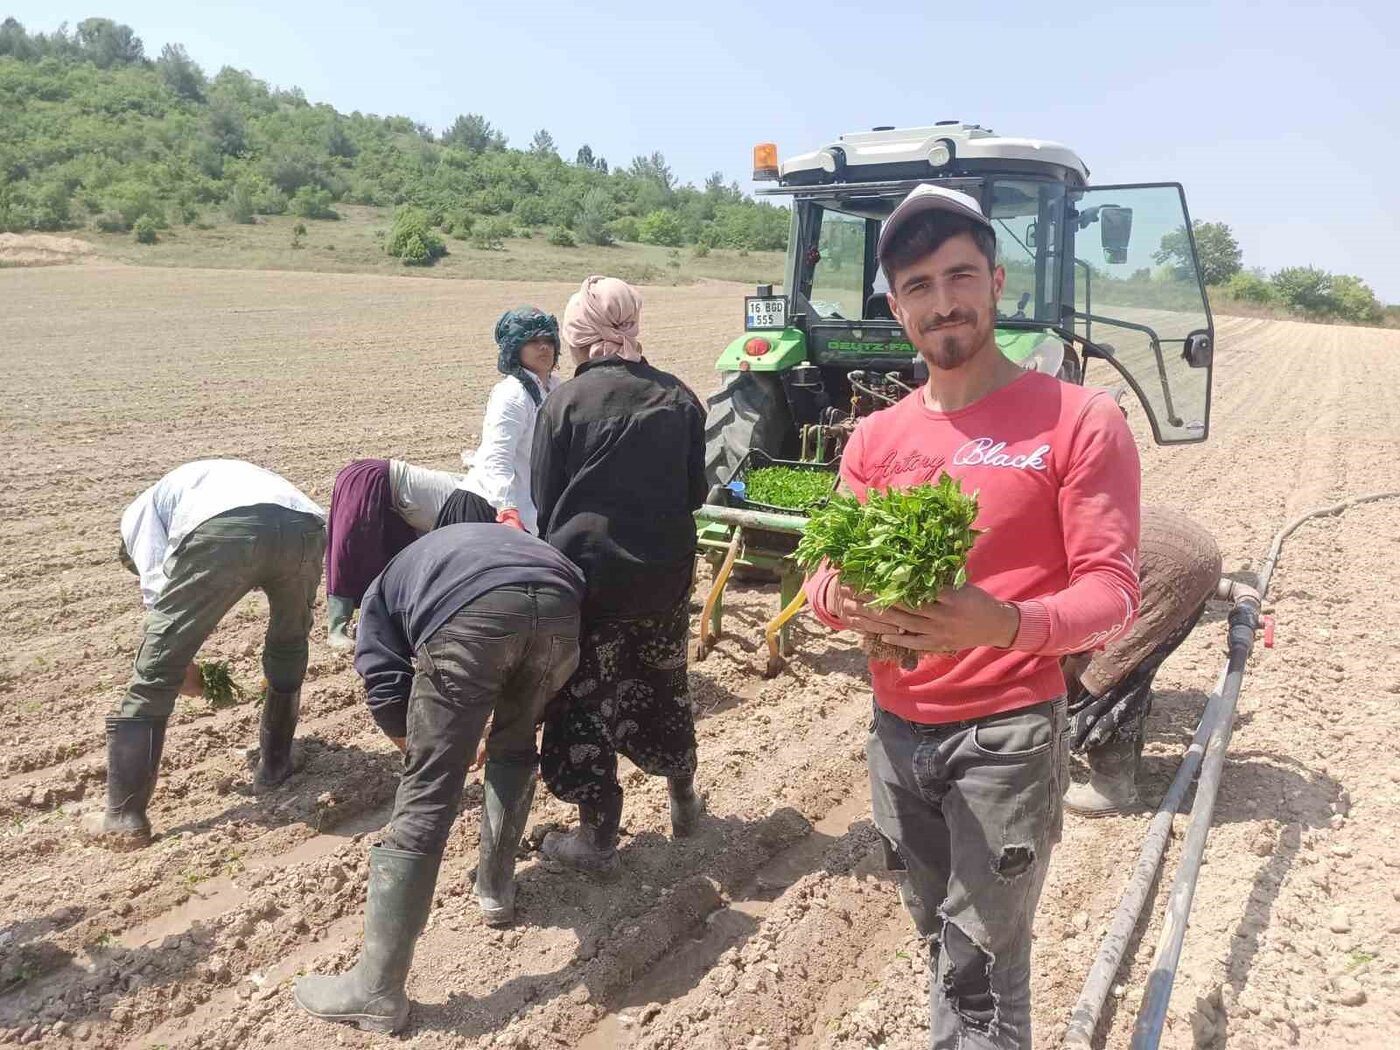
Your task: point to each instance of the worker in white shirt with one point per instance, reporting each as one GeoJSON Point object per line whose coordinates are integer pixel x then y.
{"type": "Point", "coordinates": [200, 539]}
{"type": "Point", "coordinates": [378, 507]}
{"type": "Point", "coordinates": [497, 486]}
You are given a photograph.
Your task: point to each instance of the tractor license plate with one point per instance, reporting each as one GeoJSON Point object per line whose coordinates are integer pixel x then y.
{"type": "Point", "coordinates": [762, 314]}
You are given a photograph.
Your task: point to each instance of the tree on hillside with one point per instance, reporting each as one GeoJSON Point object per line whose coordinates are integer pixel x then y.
{"type": "Point", "coordinates": [1355, 301]}
{"type": "Point", "coordinates": [474, 133]}
{"type": "Point", "coordinates": [542, 145]}
{"type": "Point", "coordinates": [180, 73]}
{"type": "Point", "coordinates": [106, 43]}
{"type": "Point", "coordinates": [1216, 249]}
{"type": "Point", "coordinates": [1306, 289]}
{"type": "Point", "coordinates": [654, 168]}
{"type": "Point", "coordinates": [661, 227]}
{"type": "Point", "coordinates": [595, 216]}
{"type": "Point", "coordinates": [15, 42]}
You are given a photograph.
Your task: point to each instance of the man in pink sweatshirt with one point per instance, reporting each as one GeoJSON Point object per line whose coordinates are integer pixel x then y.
{"type": "Point", "coordinates": [968, 751]}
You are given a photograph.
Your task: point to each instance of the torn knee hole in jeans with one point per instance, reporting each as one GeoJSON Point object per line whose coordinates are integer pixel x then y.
{"type": "Point", "coordinates": [1014, 861]}
{"type": "Point", "coordinates": [967, 983]}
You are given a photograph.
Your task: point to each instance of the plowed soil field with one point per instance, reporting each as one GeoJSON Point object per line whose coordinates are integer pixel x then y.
{"type": "Point", "coordinates": [774, 928]}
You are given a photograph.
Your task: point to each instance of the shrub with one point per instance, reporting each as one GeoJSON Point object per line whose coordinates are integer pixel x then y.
{"type": "Point", "coordinates": [309, 202]}
{"type": "Point", "coordinates": [701, 250]}
{"type": "Point", "coordinates": [1250, 288]}
{"type": "Point", "coordinates": [662, 226]}
{"type": "Point", "coordinates": [240, 205]}
{"type": "Point", "coordinates": [490, 233]}
{"type": "Point", "coordinates": [144, 230]}
{"type": "Point", "coordinates": [269, 200]}
{"type": "Point", "coordinates": [530, 211]}
{"type": "Point", "coordinates": [413, 239]}
{"type": "Point", "coordinates": [458, 224]}
{"type": "Point", "coordinates": [625, 229]}
{"type": "Point", "coordinates": [595, 215]}
{"type": "Point", "coordinates": [110, 222]}
{"type": "Point", "coordinates": [560, 237]}
{"type": "Point", "coordinates": [1306, 289]}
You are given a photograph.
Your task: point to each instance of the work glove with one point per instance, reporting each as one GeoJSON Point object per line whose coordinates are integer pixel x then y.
{"type": "Point", "coordinates": [510, 516]}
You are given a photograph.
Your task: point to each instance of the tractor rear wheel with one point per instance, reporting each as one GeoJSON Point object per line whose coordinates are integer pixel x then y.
{"type": "Point", "coordinates": [748, 411]}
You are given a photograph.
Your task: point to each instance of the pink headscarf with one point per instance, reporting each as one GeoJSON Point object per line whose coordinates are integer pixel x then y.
{"type": "Point", "coordinates": [602, 317]}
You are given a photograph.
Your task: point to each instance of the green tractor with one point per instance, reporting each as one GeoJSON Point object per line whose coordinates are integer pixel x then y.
{"type": "Point", "coordinates": [1103, 274]}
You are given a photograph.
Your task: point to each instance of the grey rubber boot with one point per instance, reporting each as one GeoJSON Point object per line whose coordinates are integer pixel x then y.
{"type": "Point", "coordinates": [338, 613]}
{"type": "Point", "coordinates": [279, 726]}
{"type": "Point", "coordinates": [592, 846]}
{"type": "Point", "coordinates": [510, 787]}
{"type": "Point", "coordinates": [687, 806]}
{"type": "Point", "coordinates": [1112, 784]}
{"type": "Point", "coordinates": [133, 761]}
{"type": "Point", "coordinates": [372, 994]}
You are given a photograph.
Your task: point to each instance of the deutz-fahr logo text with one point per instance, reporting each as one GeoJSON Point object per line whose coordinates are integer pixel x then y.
{"type": "Point", "coordinates": [860, 348]}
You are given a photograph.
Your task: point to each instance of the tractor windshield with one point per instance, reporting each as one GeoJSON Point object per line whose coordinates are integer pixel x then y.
{"type": "Point", "coordinates": [835, 251]}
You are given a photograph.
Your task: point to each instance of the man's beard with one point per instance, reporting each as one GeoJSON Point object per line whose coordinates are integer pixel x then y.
{"type": "Point", "coordinates": [954, 348]}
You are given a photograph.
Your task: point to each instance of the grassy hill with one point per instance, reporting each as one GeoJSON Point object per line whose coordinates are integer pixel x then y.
{"type": "Point", "coordinates": [98, 136]}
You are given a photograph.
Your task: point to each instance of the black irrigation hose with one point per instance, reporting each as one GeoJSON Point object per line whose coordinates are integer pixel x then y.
{"type": "Point", "coordinates": [1211, 740]}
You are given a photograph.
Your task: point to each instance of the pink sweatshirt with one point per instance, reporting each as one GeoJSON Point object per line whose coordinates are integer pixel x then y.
{"type": "Point", "coordinates": [1057, 478]}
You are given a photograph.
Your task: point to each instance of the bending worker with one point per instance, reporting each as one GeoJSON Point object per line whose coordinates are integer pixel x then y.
{"type": "Point", "coordinates": [378, 507]}
{"type": "Point", "coordinates": [1110, 694]}
{"type": "Point", "coordinates": [497, 485]}
{"type": "Point", "coordinates": [200, 539]}
{"type": "Point", "coordinates": [470, 623]}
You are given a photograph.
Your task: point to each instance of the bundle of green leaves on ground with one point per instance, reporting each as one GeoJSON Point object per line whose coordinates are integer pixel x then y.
{"type": "Point", "coordinates": [219, 687]}
{"type": "Point", "coordinates": [899, 547]}
{"type": "Point", "coordinates": [788, 487]}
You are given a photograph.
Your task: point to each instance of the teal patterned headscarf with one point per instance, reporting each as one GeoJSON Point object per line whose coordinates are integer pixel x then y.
{"type": "Point", "coordinates": [516, 328]}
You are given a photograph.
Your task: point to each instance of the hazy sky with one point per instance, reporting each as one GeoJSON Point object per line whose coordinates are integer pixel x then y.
{"type": "Point", "coordinates": [1284, 124]}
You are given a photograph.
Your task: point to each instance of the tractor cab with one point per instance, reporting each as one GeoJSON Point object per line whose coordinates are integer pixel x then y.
{"type": "Point", "coordinates": [1102, 286]}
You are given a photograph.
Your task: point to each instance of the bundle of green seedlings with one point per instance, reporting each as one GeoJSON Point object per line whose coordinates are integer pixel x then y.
{"type": "Point", "coordinates": [219, 687]}
{"type": "Point", "coordinates": [788, 487]}
{"type": "Point", "coordinates": [899, 547]}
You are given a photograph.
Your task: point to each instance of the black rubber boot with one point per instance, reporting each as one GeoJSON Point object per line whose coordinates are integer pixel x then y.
{"type": "Point", "coordinates": [687, 805]}
{"type": "Point", "coordinates": [372, 994]}
{"type": "Point", "coordinates": [133, 761]}
{"type": "Point", "coordinates": [1112, 785]}
{"type": "Point", "coordinates": [592, 846]}
{"type": "Point", "coordinates": [338, 613]}
{"type": "Point", "coordinates": [279, 725]}
{"type": "Point", "coordinates": [510, 787]}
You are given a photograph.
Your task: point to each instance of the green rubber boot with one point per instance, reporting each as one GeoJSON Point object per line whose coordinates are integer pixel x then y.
{"type": "Point", "coordinates": [338, 613]}
{"type": "Point", "coordinates": [372, 994]}
{"type": "Point", "coordinates": [133, 762]}
{"type": "Point", "coordinates": [279, 726]}
{"type": "Point", "coordinates": [510, 787]}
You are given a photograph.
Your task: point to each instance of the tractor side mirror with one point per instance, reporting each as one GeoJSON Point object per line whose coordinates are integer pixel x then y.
{"type": "Point", "coordinates": [1198, 350]}
{"type": "Point", "coordinates": [1115, 230]}
{"type": "Point", "coordinates": [1032, 231]}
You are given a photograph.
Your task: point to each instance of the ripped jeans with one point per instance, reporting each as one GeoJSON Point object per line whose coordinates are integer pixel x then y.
{"type": "Point", "coordinates": [971, 811]}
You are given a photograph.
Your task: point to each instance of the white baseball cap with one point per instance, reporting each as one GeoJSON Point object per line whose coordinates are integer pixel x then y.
{"type": "Point", "coordinates": [920, 201]}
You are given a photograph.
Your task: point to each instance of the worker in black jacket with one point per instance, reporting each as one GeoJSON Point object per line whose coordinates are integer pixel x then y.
{"type": "Point", "coordinates": [471, 622]}
{"type": "Point", "coordinates": [617, 473]}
